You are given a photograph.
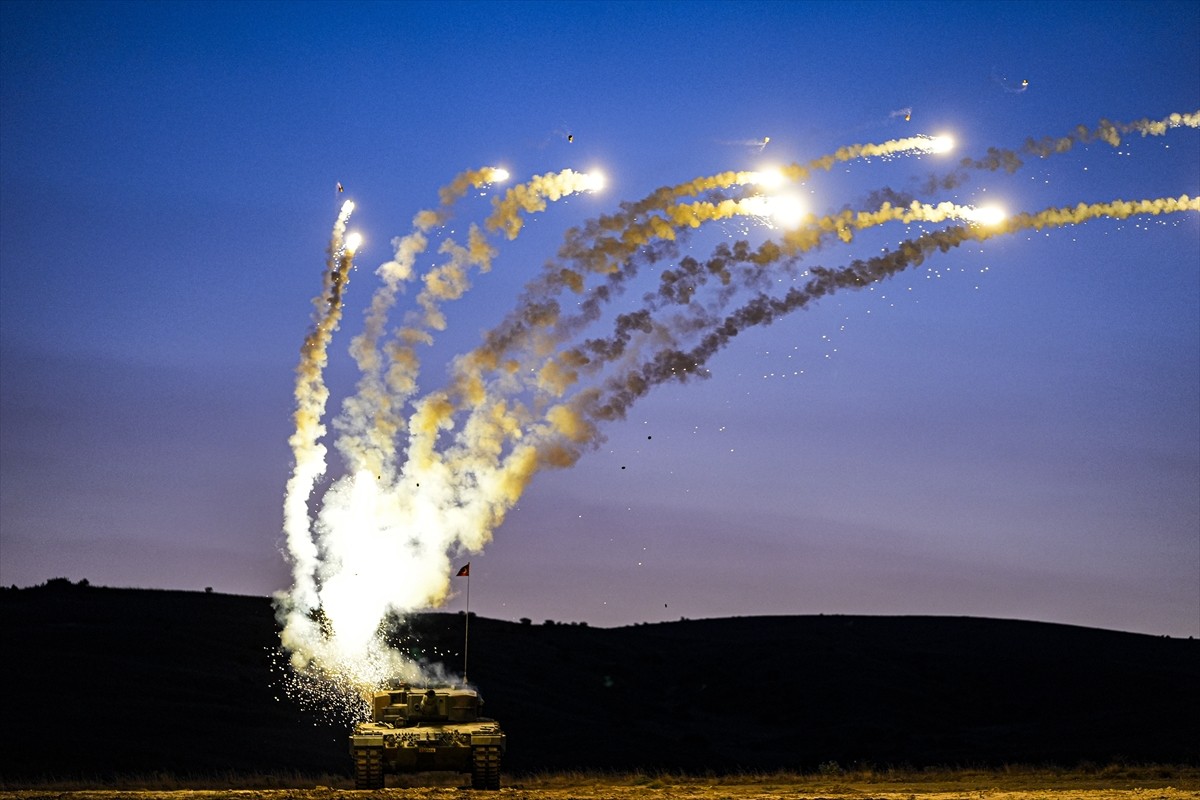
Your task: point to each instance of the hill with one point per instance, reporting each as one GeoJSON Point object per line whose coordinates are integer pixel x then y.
{"type": "Point", "coordinates": [105, 681]}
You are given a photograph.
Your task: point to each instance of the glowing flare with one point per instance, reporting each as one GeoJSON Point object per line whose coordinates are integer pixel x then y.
{"type": "Point", "coordinates": [595, 182]}
{"type": "Point", "coordinates": [788, 210]}
{"type": "Point", "coordinates": [353, 242]}
{"type": "Point", "coordinates": [986, 215]}
{"type": "Point", "coordinates": [499, 174]}
{"type": "Point", "coordinates": [785, 210]}
{"type": "Point", "coordinates": [941, 144]}
{"type": "Point", "coordinates": [770, 178]}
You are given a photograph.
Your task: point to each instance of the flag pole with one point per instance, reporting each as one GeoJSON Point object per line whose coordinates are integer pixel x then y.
{"type": "Point", "coordinates": [466, 621]}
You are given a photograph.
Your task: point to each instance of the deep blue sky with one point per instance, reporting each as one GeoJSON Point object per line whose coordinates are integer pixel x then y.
{"type": "Point", "coordinates": [1011, 430]}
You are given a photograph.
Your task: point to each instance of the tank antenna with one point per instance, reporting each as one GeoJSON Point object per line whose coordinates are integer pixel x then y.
{"type": "Point", "coordinates": [465, 572]}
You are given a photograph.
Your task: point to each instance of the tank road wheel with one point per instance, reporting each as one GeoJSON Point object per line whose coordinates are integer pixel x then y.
{"type": "Point", "coordinates": [368, 768]}
{"type": "Point", "coordinates": [485, 767]}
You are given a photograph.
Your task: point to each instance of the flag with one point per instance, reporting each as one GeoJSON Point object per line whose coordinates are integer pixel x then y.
{"type": "Point", "coordinates": [465, 572]}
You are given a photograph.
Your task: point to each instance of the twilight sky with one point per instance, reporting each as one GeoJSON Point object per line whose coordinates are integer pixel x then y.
{"type": "Point", "coordinates": [1011, 429]}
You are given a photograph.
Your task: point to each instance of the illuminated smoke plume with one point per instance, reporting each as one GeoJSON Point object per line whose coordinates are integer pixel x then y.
{"type": "Point", "coordinates": [311, 397]}
{"type": "Point", "coordinates": [429, 475]}
{"type": "Point", "coordinates": [376, 544]}
{"type": "Point", "coordinates": [763, 309]}
{"type": "Point", "coordinates": [369, 423]}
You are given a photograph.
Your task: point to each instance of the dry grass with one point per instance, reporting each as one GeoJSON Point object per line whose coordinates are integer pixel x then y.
{"type": "Point", "coordinates": [829, 779]}
{"type": "Point", "coordinates": [833, 779]}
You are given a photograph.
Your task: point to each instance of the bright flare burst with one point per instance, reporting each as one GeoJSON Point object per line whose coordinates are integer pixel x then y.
{"type": "Point", "coordinates": [770, 178]}
{"type": "Point", "coordinates": [595, 181]}
{"type": "Point", "coordinates": [986, 215]}
{"type": "Point", "coordinates": [784, 210]}
{"type": "Point", "coordinates": [941, 144]}
{"type": "Point", "coordinates": [430, 476]}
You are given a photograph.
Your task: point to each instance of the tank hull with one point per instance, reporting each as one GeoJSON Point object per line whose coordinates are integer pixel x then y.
{"type": "Point", "coordinates": [431, 732]}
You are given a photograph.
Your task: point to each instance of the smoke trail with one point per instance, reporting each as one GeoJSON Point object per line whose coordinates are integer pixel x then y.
{"type": "Point", "coordinates": [667, 365]}
{"type": "Point", "coordinates": [311, 396]}
{"type": "Point", "coordinates": [362, 513]}
{"type": "Point", "coordinates": [369, 425]}
{"type": "Point", "coordinates": [538, 390]}
{"type": "Point", "coordinates": [371, 420]}
{"type": "Point", "coordinates": [1108, 132]}
{"type": "Point", "coordinates": [570, 427]}
{"type": "Point", "coordinates": [736, 268]}
{"type": "Point", "coordinates": [605, 246]}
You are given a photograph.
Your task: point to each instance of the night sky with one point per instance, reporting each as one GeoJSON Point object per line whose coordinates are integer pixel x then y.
{"type": "Point", "coordinates": [1011, 429]}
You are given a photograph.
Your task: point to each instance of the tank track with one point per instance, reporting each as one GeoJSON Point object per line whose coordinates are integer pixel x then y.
{"type": "Point", "coordinates": [368, 768]}
{"type": "Point", "coordinates": [485, 767]}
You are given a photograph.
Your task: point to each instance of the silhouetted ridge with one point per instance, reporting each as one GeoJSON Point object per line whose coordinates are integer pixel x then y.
{"type": "Point", "coordinates": [183, 682]}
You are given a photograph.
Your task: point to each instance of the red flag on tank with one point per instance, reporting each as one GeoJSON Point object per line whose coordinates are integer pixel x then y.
{"type": "Point", "coordinates": [465, 572]}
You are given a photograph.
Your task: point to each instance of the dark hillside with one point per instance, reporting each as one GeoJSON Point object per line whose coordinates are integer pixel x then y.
{"type": "Point", "coordinates": [767, 692]}
{"type": "Point", "coordinates": [101, 681]}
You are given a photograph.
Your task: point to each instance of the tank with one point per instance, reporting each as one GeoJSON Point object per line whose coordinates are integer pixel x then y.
{"type": "Point", "coordinates": [424, 730]}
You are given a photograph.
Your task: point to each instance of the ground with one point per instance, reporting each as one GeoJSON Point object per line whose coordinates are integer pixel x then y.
{"type": "Point", "coordinates": [602, 792]}
{"type": "Point", "coordinates": [994, 786]}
